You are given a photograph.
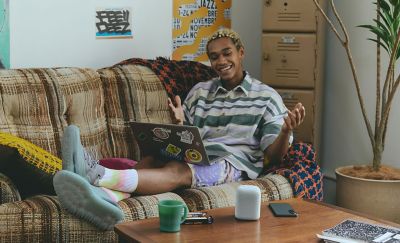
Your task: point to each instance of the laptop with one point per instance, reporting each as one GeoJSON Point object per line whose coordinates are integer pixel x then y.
{"type": "Point", "coordinates": [174, 142]}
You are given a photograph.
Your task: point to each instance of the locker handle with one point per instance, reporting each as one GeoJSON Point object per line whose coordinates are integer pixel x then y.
{"type": "Point", "coordinates": [284, 60]}
{"type": "Point", "coordinates": [266, 57]}
{"type": "Point", "coordinates": [268, 2]}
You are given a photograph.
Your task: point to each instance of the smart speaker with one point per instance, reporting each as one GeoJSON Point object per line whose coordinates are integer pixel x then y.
{"type": "Point", "coordinates": [248, 202]}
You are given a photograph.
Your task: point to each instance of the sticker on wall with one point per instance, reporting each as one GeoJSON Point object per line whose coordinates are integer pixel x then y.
{"type": "Point", "coordinates": [186, 136]}
{"type": "Point", "coordinates": [113, 23]}
{"type": "Point", "coordinates": [193, 22]}
{"type": "Point", "coordinates": [161, 133]}
{"type": "Point", "coordinates": [193, 156]}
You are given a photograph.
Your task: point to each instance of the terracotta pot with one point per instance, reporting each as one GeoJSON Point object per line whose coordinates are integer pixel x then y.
{"type": "Point", "coordinates": [378, 198]}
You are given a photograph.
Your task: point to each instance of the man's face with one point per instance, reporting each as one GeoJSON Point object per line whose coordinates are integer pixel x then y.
{"type": "Point", "coordinates": [226, 60]}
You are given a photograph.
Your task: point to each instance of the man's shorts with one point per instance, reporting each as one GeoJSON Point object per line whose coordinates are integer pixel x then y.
{"type": "Point", "coordinates": [215, 174]}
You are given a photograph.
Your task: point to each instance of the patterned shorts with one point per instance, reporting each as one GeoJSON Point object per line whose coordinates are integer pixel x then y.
{"type": "Point", "coordinates": [215, 174]}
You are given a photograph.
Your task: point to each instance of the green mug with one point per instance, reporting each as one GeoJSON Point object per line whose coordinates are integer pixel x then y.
{"type": "Point", "coordinates": [172, 213]}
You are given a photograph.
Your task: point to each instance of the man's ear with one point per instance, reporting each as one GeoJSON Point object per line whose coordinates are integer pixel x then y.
{"type": "Point", "coordinates": [241, 52]}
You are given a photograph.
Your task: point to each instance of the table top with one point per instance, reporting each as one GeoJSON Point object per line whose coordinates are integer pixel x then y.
{"type": "Point", "coordinates": [313, 218]}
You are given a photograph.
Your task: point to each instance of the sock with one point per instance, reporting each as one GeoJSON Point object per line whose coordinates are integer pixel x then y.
{"type": "Point", "coordinates": [116, 196]}
{"type": "Point", "coordinates": [119, 180]}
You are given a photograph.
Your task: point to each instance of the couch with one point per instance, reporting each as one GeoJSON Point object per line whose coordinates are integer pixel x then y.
{"type": "Point", "coordinates": [36, 104]}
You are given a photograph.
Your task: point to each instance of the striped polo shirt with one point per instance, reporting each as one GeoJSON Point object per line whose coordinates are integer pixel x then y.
{"type": "Point", "coordinates": [243, 121]}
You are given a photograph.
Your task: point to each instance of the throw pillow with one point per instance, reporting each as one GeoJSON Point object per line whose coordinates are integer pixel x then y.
{"type": "Point", "coordinates": [118, 163]}
{"type": "Point", "coordinates": [30, 167]}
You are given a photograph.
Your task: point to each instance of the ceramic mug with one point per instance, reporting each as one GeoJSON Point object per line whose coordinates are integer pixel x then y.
{"type": "Point", "coordinates": [172, 213]}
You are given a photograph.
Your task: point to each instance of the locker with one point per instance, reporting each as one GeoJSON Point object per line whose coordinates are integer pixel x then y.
{"type": "Point", "coordinates": [289, 60]}
{"type": "Point", "coordinates": [289, 15]}
{"type": "Point", "coordinates": [305, 132]}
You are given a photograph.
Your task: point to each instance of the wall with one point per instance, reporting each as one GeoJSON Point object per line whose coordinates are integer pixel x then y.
{"type": "Point", "coordinates": [345, 139]}
{"type": "Point", "coordinates": [62, 33]}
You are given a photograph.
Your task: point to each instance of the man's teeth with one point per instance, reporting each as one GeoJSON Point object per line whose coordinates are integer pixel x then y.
{"type": "Point", "coordinates": [225, 68]}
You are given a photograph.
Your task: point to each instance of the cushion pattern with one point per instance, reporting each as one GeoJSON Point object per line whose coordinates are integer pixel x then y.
{"type": "Point", "coordinates": [37, 103]}
{"type": "Point", "coordinates": [132, 93]}
{"type": "Point", "coordinates": [44, 220]}
{"type": "Point", "coordinates": [8, 191]}
{"type": "Point", "coordinates": [272, 186]}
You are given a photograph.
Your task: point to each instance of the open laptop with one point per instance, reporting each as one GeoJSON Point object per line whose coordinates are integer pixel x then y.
{"type": "Point", "coordinates": [174, 142]}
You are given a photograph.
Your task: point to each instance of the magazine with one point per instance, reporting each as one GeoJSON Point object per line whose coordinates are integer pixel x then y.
{"type": "Point", "coordinates": [357, 231]}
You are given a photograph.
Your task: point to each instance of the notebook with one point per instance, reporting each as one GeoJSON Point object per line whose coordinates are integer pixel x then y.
{"type": "Point", "coordinates": [174, 142]}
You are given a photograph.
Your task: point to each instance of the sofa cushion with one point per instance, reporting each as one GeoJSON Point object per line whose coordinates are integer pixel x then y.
{"type": "Point", "coordinates": [8, 190]}
{"type": "Point", "coordinates": [133, 92]}
{"type": "Point", "coordinates": [37, 104]}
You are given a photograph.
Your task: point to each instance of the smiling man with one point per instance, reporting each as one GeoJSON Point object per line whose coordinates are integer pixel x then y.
{"type": "Point", "coordinates": [234, 113]}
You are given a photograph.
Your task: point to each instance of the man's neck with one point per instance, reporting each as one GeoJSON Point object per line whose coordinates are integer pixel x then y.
{"type": "Point", "coordinates": [231, 84]}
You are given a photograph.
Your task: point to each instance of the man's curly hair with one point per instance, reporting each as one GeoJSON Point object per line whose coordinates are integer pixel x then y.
{"type": "Point", "coordinates": [225, 32]}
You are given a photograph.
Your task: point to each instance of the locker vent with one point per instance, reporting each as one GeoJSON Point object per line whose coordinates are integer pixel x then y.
{"type": "Point", "coordinates": [295, 46]}
{"type": "Point", "coordinates": [292, 73]}
{"type": "Point", "coordinates": [289, 17]}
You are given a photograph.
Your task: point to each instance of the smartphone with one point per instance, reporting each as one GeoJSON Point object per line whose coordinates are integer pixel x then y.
{"type": "Point", "coordinates": [282, 210]}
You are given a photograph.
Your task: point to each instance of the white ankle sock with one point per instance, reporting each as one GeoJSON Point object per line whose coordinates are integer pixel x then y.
{"type": "Point", "coordinates": [116, 196]}
{"type": "Point", "coordinates": [119, 180]}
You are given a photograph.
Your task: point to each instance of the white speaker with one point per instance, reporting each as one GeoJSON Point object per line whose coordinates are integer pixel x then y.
{"type": "Point", "coordinates": [248, 202]}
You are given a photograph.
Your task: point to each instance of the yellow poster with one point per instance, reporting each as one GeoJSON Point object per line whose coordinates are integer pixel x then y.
{"type": "Point", "coordinates": [193, 22]}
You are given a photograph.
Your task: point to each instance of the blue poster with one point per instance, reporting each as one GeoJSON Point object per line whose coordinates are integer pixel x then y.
{"type": "Point", "coordinates": [4, 35]}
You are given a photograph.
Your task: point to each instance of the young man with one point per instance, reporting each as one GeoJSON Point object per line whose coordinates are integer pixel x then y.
{"type": "Point", "coordinates": [234, 113]}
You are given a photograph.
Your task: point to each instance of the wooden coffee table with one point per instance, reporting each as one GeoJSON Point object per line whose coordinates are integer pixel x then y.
{"type": "Point", "coordinates": [313, 218]}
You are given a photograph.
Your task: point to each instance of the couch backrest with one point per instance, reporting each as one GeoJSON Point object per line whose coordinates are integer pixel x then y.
{"type": "Point", "coordinates": [37, 104]}
{"type": "Point", "coordinates": [132, 92]}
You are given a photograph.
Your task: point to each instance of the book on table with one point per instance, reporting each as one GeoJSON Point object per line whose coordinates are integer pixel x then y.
{"type": "Point", "coordinates": [357, 231]}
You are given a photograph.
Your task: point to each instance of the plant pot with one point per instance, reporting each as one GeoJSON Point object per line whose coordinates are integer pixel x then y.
{"type": "Point", "coordinates": [379, 198]}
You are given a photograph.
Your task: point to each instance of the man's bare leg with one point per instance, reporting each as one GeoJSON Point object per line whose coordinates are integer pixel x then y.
{"type": "Point", "coordinates": [149, 162]}
{"type": "Point", "coordinates": [159, 180]}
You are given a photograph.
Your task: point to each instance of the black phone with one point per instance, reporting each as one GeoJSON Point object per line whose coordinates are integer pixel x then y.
{"type": "Point", "coordinates": [282, 210]}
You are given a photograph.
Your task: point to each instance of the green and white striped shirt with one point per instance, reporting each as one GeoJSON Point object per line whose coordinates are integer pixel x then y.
{"type": "Point", "coordinates": [243, 121]}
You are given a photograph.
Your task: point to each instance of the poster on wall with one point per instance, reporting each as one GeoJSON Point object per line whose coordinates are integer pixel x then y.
{"type": "Point", "coordinates": [4, 35]}
{"type": "Point", "coordinates": [113, 23]}
{"type": "Point", "coordinates": [192, 24]}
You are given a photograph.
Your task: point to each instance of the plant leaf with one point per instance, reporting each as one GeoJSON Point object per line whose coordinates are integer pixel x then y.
{"type": "Point", "coordinates": [384, 5]}
{"type": "Point", "coordinates": [381, 44]}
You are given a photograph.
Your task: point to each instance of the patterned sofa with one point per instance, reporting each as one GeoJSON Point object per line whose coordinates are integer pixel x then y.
{"type": "Point", "coordinates": [37, 104]}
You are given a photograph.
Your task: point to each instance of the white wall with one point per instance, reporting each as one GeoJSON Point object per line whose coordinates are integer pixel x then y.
{"type": "Point", "coordinates": [345, 139]}
{"type": "Point", "coordinates": [51, 33]}
{"type": "Point", "coordinates": [62, 33]}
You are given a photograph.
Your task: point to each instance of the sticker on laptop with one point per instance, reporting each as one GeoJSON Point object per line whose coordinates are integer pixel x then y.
{"type": "Point", "coordinates": [193, 155]}
{"type": "Point", "coordinates": [161, 133]}
{"type": "Point", "coordinates": [172, 149]}
{"type": "Point", "coordinates": [142, 136]}
{"type": "Point", "coordinates": [186, 136]}
{"type": "Point", "coordinates": [167, 156]}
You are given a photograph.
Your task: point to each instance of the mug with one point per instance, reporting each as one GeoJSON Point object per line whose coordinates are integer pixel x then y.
{"type": "Point", "coordinates": [172, 213]}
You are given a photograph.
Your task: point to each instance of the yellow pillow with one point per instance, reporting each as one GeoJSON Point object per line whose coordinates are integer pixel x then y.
{"type": "Point", "coordinates": [30, 167]}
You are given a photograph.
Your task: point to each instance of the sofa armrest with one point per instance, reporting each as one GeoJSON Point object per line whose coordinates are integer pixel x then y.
{"type": "Point", "coordinates": [8, 191]}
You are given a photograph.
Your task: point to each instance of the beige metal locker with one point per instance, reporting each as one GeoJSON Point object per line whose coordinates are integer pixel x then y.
{"type": "Point", "coordinates": [293, 52]}
{"type": "Point", "coordinates": [289, 59]}
{"type": "Point", "coordinates": [305, 132]}
{"type": "Point", "coordinates": [289, 15]}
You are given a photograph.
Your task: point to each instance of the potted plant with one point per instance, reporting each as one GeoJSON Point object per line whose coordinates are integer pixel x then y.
{"type": "Point", "coordinates": [356, 184]}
